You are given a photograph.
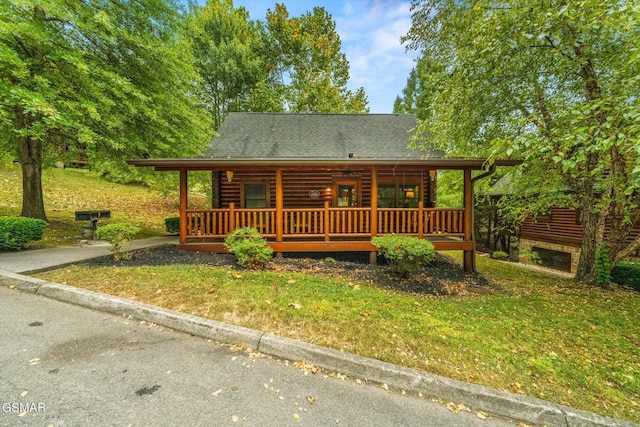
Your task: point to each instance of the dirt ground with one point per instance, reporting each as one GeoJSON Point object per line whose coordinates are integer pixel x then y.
{"type": "Point", "coordinates": [444, 276]}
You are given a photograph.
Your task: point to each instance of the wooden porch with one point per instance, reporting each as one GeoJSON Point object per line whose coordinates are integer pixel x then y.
{"type": "Point", "coordinates": [325, 224]}
{"type": "Point", "coordinates": [328, 228]}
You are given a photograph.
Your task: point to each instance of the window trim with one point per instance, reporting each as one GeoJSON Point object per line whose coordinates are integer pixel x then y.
{"type": "Point", "coordinates": [399, 182]}
{"type": "Point", "coordinates": [267, 193]}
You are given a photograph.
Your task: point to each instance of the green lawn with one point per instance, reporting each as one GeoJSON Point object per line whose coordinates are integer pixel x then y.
{"type": "Point", "coordinates": [540, 335]}
{"type": "Point", "coordinates": [70, 190]}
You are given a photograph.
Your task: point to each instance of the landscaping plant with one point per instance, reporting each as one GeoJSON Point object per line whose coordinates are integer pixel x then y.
{"type": "Point", "coordinates": [17, 232]}
{"type": "Point", "coordinates": [117, 233]}
{"type": "Point", "coordinates": [500, 255]}
{"type": "Point", "coordinates": [249, 247]}
{"type": "Point", "coordinates": [405, 254]}
{"type": "Point", "coordinates": [603, 265]}
{"type": "Point", "coordinates": [172, 224]}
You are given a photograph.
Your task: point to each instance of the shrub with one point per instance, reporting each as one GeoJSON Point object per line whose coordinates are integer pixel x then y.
{"type": "Point", "coordinates": [117, 233]}
{"type": "Point", "coordinates": [500, 255]}
{"type": "Point", "coordinates": [529, 256]}
{"type": "Point", "coordinates": [405, 254]}
{"type": "Point", "coordinates": [172, 224]}
{"type": "Point", "coordinates": [17, 232]}
{"type": "Point", "coordinates": [249, 247]}
{"type": "Point", "coordinates": [627, 273]}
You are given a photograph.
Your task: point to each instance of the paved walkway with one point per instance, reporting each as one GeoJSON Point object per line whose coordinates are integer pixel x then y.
{"type": "Point", "coordinates": [33, 261]}
{"type": "Point", "coordinates": [103, 360]}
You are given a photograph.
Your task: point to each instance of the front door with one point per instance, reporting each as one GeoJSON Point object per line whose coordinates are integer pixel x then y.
{"type": "Point", "coordinates": [346, 194]}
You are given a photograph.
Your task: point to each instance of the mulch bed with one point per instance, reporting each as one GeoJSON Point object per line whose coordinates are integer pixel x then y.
{"type": "Point", "coordinates": [444, 276]}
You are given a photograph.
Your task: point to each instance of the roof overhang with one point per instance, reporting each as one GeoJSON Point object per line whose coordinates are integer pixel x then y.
{"type": "Point", "coordinates": [199, 163]}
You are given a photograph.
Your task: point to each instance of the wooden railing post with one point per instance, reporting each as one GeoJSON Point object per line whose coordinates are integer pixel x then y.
{"type": "Point", "coordinates": [327, 220]}
{"type": "Point", "coordinates": [232, 217]}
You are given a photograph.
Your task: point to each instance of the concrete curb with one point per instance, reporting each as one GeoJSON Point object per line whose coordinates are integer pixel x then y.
{"type": "Point", "coordinates": [497, 403]}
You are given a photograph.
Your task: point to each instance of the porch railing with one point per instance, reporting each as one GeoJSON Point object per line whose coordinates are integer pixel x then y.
{"type": "Point", "coordinates": [327, 222]}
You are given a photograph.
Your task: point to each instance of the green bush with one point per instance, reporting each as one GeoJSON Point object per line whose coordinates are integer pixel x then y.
{"type": "Point", "coordinates": [17, 232]}
{"type": "Point", "coordinates": [529, 256]}
{"type": "Point", "coordinates": [500, 255]}
{"type": "Point", "coordinates": [249, 247]}
{"type": "Point", "coordinates": [117, 233]}
{"type": "Point", "coordinates": [627, 273]}
{"type": "Point", "coordinates": [172, 224]}
{"type": "Point", "coordinates": [405, 254]}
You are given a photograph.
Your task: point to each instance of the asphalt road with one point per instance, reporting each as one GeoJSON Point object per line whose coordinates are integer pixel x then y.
{"type": "Point", "coordinates": [65, 365]}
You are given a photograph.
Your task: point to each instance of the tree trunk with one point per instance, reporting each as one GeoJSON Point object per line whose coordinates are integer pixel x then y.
{"type": "Point", "coordinates": [30, 152]}
{"type": "Point", "coordinates": [620, 230]}
{"type": "Point", "coordinates": [587, 263]}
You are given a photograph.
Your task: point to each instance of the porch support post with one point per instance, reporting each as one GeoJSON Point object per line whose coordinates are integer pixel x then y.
{"type": "Point", "coordinates": [469, 259]}
{"type": "Point", "coordinates": [183, 206]}
{"type": "Point", "coordinates": [420, 219]}
{"type": "Point", "coordinates": [279, 208]}
{"type": "Point", "coordinates": [373, 255]}
{"type": "Point", "coordinates": [327, 222]}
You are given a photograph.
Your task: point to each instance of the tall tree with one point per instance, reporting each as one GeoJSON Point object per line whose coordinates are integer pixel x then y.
{"type": "Point", "coordinates": [410, 101]}
{"type": "Point", "coordinates": [227, 51]}
{"type": "Point", "coordinates": [108, 77]}
{"type": "Point", "coordinates": [554, 82]}
{"type": "Point", "coordinates": [307, 64]}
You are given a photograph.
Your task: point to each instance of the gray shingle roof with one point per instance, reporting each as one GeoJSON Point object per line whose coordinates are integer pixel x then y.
{"type": "Point", "coordinates": [315, 136]}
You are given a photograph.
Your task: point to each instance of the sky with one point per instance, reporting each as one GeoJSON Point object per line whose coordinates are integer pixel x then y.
{"type": "Point", "coordinates": [370, 32]}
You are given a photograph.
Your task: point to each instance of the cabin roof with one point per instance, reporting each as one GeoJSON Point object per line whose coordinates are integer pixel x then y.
{"type": "Point", "coordinates": [288, 140]}
{"type": "Point", "coordinates": [316, 136]}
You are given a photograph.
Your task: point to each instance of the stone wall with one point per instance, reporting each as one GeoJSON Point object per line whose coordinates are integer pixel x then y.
{"type": "Point", "coordinates": [572, 250]}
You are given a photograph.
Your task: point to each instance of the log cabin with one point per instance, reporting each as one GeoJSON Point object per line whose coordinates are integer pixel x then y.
{"type": "Point", "coordinates": [324, 183]}
{"type": "Point", "coordinates": [556, 238]}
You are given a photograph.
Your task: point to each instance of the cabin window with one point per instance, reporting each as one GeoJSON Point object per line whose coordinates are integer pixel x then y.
{"type": "Point", "coordinates": [398, 195]}
{"type": "Point", "coordinates": [255, 195]}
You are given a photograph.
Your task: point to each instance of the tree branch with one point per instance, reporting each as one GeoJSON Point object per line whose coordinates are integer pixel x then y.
{"type": "Point", "coordinates": [627, 251]}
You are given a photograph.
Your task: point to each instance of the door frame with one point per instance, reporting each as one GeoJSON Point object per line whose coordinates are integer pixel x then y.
{"type": "Point", "coordinates": [354, 181]}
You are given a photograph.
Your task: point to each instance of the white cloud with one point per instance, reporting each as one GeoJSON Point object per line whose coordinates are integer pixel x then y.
{"type": "Point", "coordinates": [371, 32]}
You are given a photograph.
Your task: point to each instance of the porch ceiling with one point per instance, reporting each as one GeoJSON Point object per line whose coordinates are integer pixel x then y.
{"type": "Point", "coordinates": [199, 163]}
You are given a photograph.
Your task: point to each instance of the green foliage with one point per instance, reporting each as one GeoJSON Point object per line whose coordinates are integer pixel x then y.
{"type": "Point", "coordinates": [106, 80]}
{"type": "Point", "coordinates": [627, 273]}
{"type": "Point", "coordinates": [117, 233]}
{"type": "Point", "coordinates": [17, 232]}
{"type": "Point", "coordinates": [308, 69]}
{"type": "Point", "coordinates": [284, 64]}
{"type": "Point", "coordinates": [603, 265]}
{"type": "Point", "coordinates": [529, 256]}
{"type": "Point", "coordinates": [500, 255]}
{"type": "Point", "coordinates": [227, 51]}
{"type": "Point", "coordinates": [554, 83]}
{"type": "Point", "coordinates": [172, 224]}
{"type": "Point", "coordinates": [249, 247]}
{"type": "Point", "coordinates": [405, 254]}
